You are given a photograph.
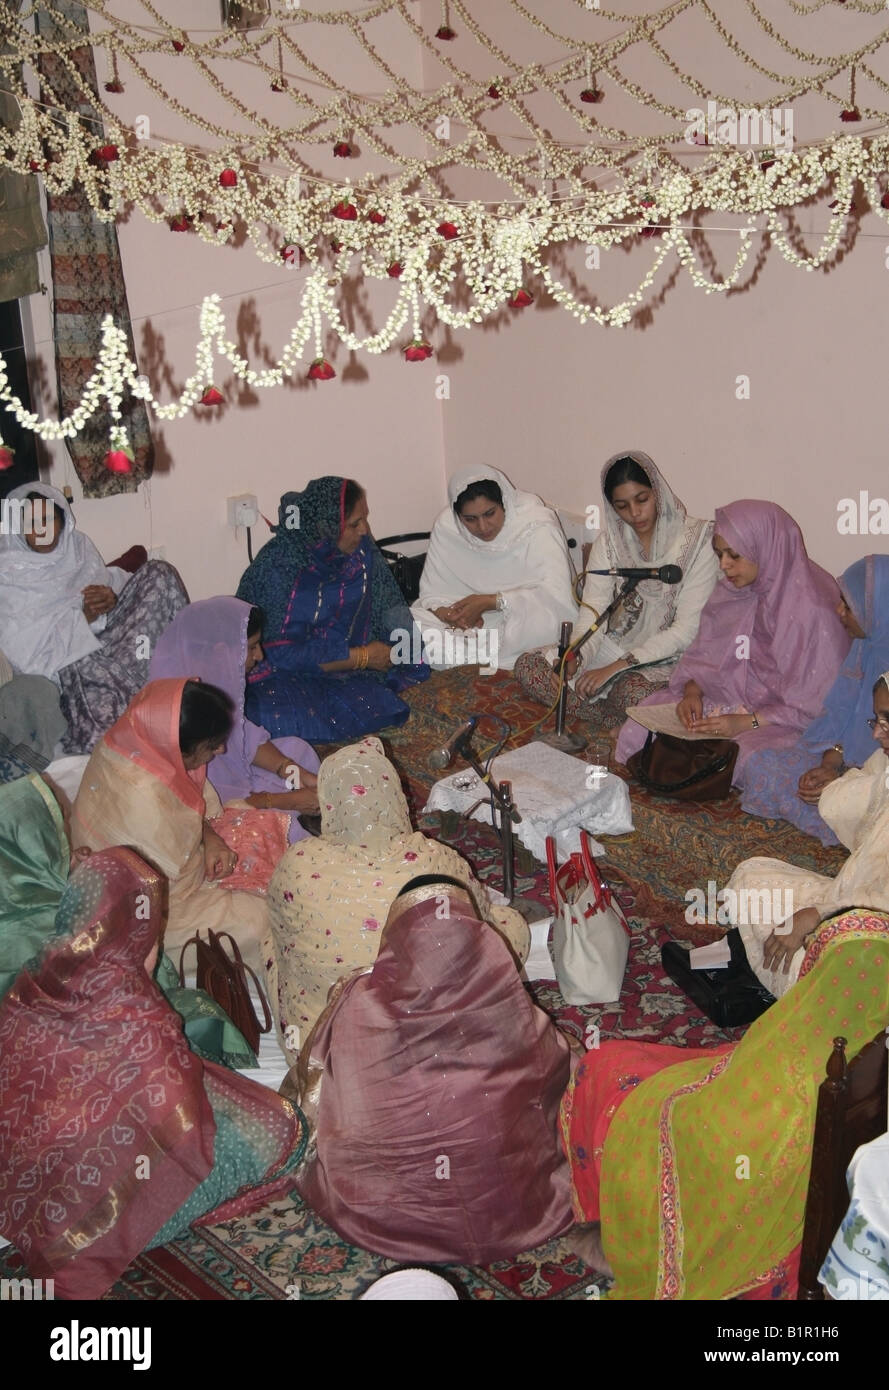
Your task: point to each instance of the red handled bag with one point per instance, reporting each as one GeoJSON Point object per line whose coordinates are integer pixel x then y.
{"type": "Point", "coordinates": [591, 935]}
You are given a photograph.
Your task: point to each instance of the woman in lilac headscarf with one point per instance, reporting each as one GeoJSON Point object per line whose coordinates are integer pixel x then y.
{"type": "Point", "coordinates": [219, 641]}
{"type": "Point", "coordinates": [770, 641]}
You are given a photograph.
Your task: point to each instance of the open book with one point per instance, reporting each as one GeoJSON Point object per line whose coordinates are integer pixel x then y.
{"type": "Point", "coordinates": [662, 719]}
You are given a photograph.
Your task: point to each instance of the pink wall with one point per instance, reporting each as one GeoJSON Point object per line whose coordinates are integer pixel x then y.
{"type": "Point", "coordinates": [536, 394]}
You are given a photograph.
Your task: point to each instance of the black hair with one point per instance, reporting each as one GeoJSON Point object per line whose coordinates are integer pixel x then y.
{"type": "Point", "coordinates": [485, 487]}
{"type": "Point", "coordinates": [41, 497]}
{"type": "Point", "coordinates": [430, 880]}
{"type": "Point", "coordinates": [254, 622]}
{"type": "Point", "coordinates": [351, 497]}
{"type": "Point", "coordinates": [444, 882]}
{"type": "Point", "coordinates": [624, 470]}
{"type": "Point", "coordinates": [206, 714]}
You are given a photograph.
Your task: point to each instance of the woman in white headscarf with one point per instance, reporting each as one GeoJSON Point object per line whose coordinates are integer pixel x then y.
{"type": "Point", "coordinates": [67, 616]}
{"type": "Point", "coordinates": [644, 523]}
{"type": "Point", "coordinates": [497, 578]}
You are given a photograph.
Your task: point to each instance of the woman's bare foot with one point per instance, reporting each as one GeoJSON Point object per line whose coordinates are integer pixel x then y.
{"type": "Point", "coordinates": [586, 1241]}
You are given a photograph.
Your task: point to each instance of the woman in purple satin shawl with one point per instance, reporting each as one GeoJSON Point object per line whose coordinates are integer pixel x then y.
{"type": "Point", "coordinates": [434, 1085]}
{"type": "Point", "coordinates": [769, 645]}
{"type": "Point", "coordinates": [212, 639]}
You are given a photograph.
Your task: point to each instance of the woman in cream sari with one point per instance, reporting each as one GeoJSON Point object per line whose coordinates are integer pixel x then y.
{"type": "Point", "coordinates": [145, 786]}
{"type": "Point", "coordinates": [329, 897]}
{"type": "Point", "coordinates": [856, 807]}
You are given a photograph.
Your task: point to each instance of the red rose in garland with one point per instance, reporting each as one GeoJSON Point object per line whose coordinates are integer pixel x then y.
{"type": "Point", "coordinates": [592, 94]}
{"type": "Point", "coordinates": [346, 212]}
{"type": "Point", "coordinates": [116, 86]}
{"type": "Point", "coordinates": [320, 370]}
{"type": "Point", "coordinates": [417, 351]}
{"type": "Point", "coordinates": [521, 299]}
{"type": "Point", "coordinates": [106, 154]}
{"type": "Point", "coordinates": [182, 223]}
{"type": "Point", "coordinates": [7, 458]}
{"type": "Point", "coordinates": [342, 149]}
{"type": "Point", "coordinates": [377, 218]}
{"type": "Point", "coordinates": [447, 230]}
{"type": "Point", "coordinates": [394, 270]}
{"type": "Point", "coordinates": [884, 201]}
{"type": "Point", "coordinates": [494, 92]}
{"type": "Point", "coordinates": [228, 178]}
{"type": "Point", "coordinates": [850, 114]}
{"type": "Point", "coordinates": [279, 86]}
{"type": "Point", "coordinates": [445, 33]}
{"type": "Point", "coordinates": [212, 396]}
{"type": "Point", "coordinates": [119, 461]}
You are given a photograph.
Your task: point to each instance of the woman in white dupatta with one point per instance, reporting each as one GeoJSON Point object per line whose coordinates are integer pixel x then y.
{"type": "Point", "coordinates": [497, 578]}
{"type": "Point", "coordinates": [644, 524]}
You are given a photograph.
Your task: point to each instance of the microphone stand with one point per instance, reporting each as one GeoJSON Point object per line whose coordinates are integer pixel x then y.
{"type": "Point", "coordinates": [502, 795]}
{"type": "Point", "coordinates": [572, 743]}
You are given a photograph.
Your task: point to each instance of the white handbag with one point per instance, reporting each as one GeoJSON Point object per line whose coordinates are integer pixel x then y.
{"type": "Point", "coordinates": [591, 936]}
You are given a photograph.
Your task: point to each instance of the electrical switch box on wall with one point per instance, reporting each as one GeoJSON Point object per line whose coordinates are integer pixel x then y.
{"type": "Point", "coordinates": [243, 510]}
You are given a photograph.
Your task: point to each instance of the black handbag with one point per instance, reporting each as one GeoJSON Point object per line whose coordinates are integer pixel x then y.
{"type": "Point", "coordinates": [730, 997]}
{"type": "Point", "coordinates": [405, 569]}
{"type": "Point", "coordinates": [685, 768]}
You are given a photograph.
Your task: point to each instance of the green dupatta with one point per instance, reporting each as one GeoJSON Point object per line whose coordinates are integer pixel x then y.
{"type": "Point", "coordinates": [680, 1217]}
{"type": "Point", "coordinates": [34, 866]}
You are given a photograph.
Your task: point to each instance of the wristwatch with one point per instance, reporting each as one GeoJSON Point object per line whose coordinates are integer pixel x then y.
{"type": "Point", "coordinates": [630, 659]}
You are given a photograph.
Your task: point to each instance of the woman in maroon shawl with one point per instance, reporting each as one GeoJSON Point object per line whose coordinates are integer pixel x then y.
{"type": "Point", "coordinates": [769, 645]}
{"type": "Point", "coordinates": [435, 1084]}
{"type": "Point", "coordinates": [114, 1136]}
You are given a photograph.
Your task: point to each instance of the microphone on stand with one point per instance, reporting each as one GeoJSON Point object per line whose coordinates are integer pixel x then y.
{"type": "Point", "coordinates": [442, 757]}
{"type": "Point", "coordinates": [667, 574]}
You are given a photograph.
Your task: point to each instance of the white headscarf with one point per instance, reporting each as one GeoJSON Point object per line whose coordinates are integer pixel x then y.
{"type": "Point", "coordinates": [487, 566]}
{"type": "Point", "coordinates": [42, 623]}
{"type": "Point", "coordinates": [676, 538]}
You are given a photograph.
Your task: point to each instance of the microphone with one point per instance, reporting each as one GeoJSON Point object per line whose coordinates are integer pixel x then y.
{"type": "Point", "coordinates": [441, 757]}
{"type": "Point", "coordinates": [667, 574]}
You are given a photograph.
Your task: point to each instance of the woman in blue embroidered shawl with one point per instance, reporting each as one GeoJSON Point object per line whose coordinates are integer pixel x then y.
{"type": "Point", "coordinates": [332, 611]}
{"type": "Point", "coordinates": [788, 782]}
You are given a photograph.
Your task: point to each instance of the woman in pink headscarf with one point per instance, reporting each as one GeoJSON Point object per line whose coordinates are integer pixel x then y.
{"type": "Point", "coordinates": [769, 645]}
{"type": "Point", "coordinates": [434, 1085]}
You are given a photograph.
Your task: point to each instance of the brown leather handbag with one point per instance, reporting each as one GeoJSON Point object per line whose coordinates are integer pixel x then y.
{"type": "Point", "coordinates": [225, 978]}
{"type": "Point", "coordinates": [686, 769]}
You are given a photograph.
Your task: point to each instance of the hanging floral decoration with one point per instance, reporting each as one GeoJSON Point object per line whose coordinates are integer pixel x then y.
{"type": "Point", "coordinates": [459, 261]}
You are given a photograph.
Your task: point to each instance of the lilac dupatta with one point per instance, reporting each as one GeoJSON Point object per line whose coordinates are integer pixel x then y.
{"type": "Point", "coordinates": [773, 647]}
{"type": "Point", "coordinates": [208, 639]}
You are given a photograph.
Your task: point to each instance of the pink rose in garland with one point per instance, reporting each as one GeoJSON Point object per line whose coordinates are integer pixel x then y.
{"type": "Point", "coordinates": [7, 458]}
{"type": "Point", "coordinates": [417, 351]}
{"type": "Point", "coordinates": [320, 370]}
{"type": "Point", "coordinates": [119, 461]}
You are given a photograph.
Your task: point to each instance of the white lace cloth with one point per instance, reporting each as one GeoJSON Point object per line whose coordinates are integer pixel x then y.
{"type": "Point", "coordinates": [554, 793]}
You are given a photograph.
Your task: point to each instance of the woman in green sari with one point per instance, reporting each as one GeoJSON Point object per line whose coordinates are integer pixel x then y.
{"type": "Point", "coordinates": [695, 1163]}
{"type": "Point", "coordinates": [35, 860]}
